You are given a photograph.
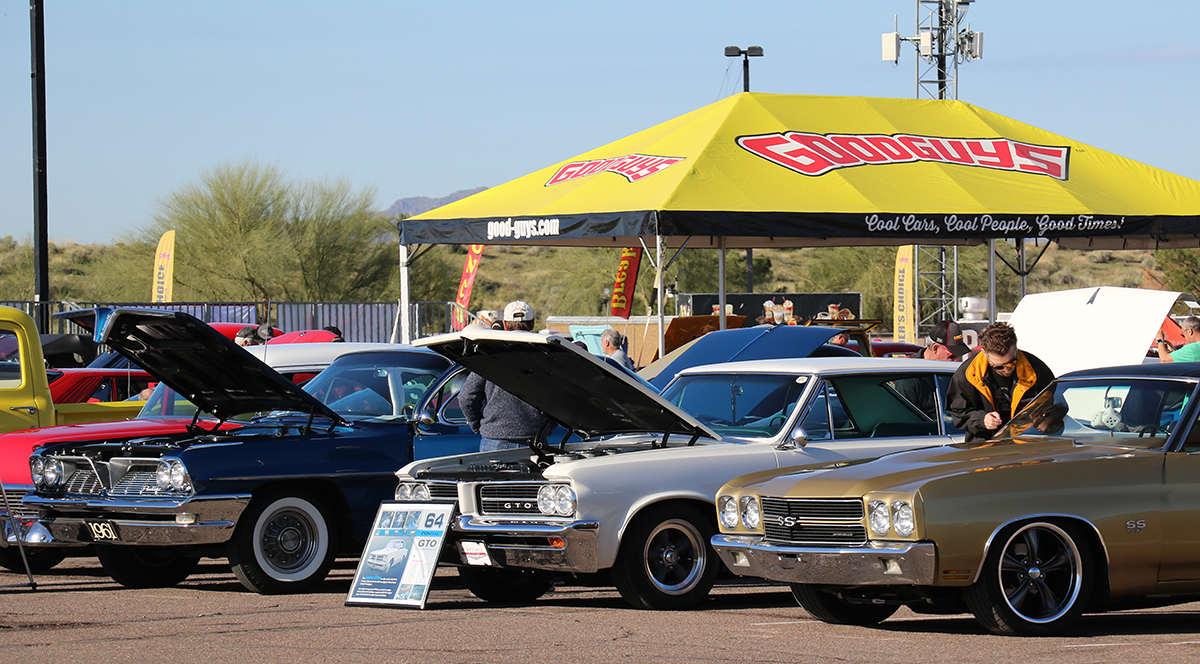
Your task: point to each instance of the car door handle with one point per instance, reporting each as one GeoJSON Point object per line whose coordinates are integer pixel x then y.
{"type": "Point", "coordinates": [31, 409]}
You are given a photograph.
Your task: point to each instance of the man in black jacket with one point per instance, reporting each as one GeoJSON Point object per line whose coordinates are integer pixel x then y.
{"type": "Point", "coordinates": [990, 388]}
{"type": "Point", "coordinates": [501, 420]}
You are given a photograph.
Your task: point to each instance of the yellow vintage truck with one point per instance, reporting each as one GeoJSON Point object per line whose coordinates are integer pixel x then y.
{"type": "Point", "coordinates": [25, 401]}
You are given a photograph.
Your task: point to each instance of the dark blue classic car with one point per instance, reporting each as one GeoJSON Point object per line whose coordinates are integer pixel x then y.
{"type": "Point", "coordinates": [279, 497]}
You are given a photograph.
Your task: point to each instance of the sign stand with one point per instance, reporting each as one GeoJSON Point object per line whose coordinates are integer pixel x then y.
{"type": "Point", "coordinates": [401, 555]}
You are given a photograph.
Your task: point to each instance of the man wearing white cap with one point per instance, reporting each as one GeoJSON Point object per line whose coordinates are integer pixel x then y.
{"type": "Point", "coordinates": [501, 420]}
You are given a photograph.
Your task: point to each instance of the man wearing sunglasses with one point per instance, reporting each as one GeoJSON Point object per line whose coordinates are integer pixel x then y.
{"type": "Point", "coordinates": [990, 388]}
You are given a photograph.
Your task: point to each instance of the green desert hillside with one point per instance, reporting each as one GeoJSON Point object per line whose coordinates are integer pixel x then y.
{"type": "Point", "coordinates": [572, 281]}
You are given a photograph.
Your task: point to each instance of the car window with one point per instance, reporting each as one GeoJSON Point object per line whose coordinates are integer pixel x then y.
{"type": "Point", "coordinates": [943, 384]}
{"type": "Point", "coordinates": [10, 360]}
{"type": "Point", "coordinates": [382, 386]}
{"type": "Point", "coordinates": [754, 405]}
{"type": "Point", "coordinates": [873, 406]}
{"type": "Point", "coordinates": [445, 400]}
{"type": "Point", "coordinates": [1118, 411]}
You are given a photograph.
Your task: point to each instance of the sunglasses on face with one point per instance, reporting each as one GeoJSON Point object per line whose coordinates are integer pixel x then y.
{"type": "Point", "coordinates": [1007, 365]}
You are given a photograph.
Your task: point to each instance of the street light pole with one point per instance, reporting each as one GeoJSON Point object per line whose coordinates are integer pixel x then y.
{"type": "Point", "coordinates": [41, 243]}
{"type": "Point", "coordinates": [752, 52]}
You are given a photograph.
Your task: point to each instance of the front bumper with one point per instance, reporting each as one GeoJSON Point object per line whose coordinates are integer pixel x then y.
{"type": "Point", "coordinates": [158, 522]}
{"type": "Point", "coordinates": [561, 547]}
{"type": "Point", "coordinates": [880, 564]}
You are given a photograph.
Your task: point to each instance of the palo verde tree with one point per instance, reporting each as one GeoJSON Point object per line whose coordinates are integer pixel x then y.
{"type": "Point", "coordinates": [247, 232]}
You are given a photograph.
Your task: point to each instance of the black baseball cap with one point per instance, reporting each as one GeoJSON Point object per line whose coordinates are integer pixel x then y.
{"type": "Point", "coordinates": [949, 334]}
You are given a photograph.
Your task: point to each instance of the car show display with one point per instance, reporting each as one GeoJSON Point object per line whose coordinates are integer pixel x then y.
{"type": "Point", "coordinates": [279, 497]}
{"type": "Point", "coordinates": [633, 494]}
{"type": "Point", "coordinates": [1085, 501]}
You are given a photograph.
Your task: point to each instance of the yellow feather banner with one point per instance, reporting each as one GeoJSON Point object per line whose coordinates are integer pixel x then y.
{"type": "Point", "coordinates": [164, 268]}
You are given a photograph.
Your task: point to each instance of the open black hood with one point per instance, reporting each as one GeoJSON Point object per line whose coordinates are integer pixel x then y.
{"type": "Point", "coordinates": [196, 361]}
{"type": "Point", "coordinates": [569, 385]}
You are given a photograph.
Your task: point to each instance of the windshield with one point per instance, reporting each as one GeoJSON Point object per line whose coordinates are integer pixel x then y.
{"type": "Point", "coordinates": [740, 405]}
{"type": "Point", "coordinates": [1123, 412]}
{"type": "Point", "coordinates": [376, 384]}
{"type": "Point", "coordinates": [165, 402]}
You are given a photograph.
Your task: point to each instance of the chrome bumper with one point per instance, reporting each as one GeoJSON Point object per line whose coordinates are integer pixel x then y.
{"type": "Point", "coordinates": [533, 544]}
{"type": "Point", "coordinates": [881, 564]}
{"type": "Point", "coordinates": [195, 520]}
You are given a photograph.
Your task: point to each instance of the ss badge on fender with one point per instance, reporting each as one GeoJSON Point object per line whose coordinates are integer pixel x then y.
{"type": "Point", "coordinates": [1135, 525]}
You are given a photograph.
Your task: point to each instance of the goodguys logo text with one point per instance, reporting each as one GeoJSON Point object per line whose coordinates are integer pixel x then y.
{"type": "Point", "coordinates": [815, 154]}
{"type": "Point", "coordinates": [519, 229]}
{"type": "Point", "coordinates": [634, 167]}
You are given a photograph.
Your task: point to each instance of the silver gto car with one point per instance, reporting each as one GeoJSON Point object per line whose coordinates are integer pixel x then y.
{"type": "Point", "coordinates": [626, 481]}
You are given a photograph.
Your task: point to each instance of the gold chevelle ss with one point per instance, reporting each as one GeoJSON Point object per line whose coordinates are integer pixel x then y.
{"type": "Point", "coordinates": [1088, 500]}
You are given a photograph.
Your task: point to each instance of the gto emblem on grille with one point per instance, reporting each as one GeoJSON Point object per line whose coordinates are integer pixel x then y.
{"type": "Point", "coordinates": [510, 506]}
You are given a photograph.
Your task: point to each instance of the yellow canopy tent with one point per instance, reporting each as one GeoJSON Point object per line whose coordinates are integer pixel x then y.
{"type": "Point", "coordinates": [767, 170]}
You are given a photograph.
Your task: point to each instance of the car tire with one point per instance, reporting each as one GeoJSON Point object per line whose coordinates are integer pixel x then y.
{"type": "Point", "coordinates": [283, 543]}
{"type": "Point", "coordinates": [666, 560]}
{"type": "Point", "coordinates": [146, 566]}
{"type": "Point", "coordinates": [1036, 580]}
{"type": "Point", "coordinates": [41, 558]}
{"type": "Point", "coordinates": [506, 586]}
{"type": "Point", "coordinates": [824, 604]}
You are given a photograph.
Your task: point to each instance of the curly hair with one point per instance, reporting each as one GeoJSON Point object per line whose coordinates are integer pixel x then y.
{"type": "Point", "coordinates": [998, 338]}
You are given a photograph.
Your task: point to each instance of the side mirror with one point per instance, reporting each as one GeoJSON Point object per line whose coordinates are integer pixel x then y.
{"type": "Point", "coordinates": [408, 410]}
{"type": "Point", "coordinates": [426, 418]}
{"type": "Point", "coordinates": [797, 438]}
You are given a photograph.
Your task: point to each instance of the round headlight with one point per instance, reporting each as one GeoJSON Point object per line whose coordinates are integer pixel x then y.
{"type": "Point", "coordinates": [547, 499]}
{"type": "Point", "coordinates": [178, 476]}
{"type": "Point", "coordinates": [749, 511]}
{"type": "Point", "coordinates": [564, 500]}
{"type": "Point", "coordinates": [881, 521]}
{"type": "Point", "coordinates": [162, 475]}
{"type": "Point", "coordinates": [727, 508]}
{"type": "Point", "coordinates": [52, 471]}
{"type": "Point", "coordinates": [35, 469]}
{"type": "Point", "coordinates": [902, 518]}
{"type": "Point", "coordinates": [420, 492]}
{"type": "Point", "coordinates": [404, 491]}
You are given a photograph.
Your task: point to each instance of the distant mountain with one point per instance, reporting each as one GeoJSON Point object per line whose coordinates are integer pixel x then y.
{"type": "Point", "coordinates": [418, 204]}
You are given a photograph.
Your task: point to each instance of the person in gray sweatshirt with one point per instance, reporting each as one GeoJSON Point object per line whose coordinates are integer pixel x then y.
{"type": "Point", "coordinates": [501, 420]}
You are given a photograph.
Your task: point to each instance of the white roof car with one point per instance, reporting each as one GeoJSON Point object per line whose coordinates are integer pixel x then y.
{"type": "Point", "coordinates": [632, 490]}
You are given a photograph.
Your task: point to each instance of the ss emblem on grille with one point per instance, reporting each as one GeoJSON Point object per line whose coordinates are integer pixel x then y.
{"type": "Point", "coordinates": [788, 521]}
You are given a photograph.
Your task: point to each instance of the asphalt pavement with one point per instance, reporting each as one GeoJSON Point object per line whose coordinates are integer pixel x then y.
{"type": "Point", "coordinates": [78, 614]}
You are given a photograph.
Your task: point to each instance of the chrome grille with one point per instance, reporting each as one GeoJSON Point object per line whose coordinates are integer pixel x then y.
{"type": "Point", "coordinates": [13, 497]}
{"type": "Point", "coordinates": [141, 483]}
{"type": "Point", "coordinates": [508, 498]}
{"type": "Point", "coordinates": [814, 521]}
{"type": "Point", "coordinates": [83, 481]}
{"type": "Point", "coordinates": [443, 490]}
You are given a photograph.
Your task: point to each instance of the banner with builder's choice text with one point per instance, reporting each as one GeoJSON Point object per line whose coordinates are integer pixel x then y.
{"type": "Point", "coordinates": [904, 313]}
{"type": "Point", "coordinates": [164, 268]}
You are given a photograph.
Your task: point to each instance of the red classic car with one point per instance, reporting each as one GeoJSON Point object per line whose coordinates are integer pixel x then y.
{"type": "Point", "coordinates": [82, 385]}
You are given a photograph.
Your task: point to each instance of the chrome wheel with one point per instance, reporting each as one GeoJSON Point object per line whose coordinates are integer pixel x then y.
{"type": "Point", "coordinates": [1040, 573]}
{"type": "Point", "coordinates": [675, 556]}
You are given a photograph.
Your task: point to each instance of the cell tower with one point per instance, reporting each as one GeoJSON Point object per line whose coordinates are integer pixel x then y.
{"type": "Point", "coordinates": [942, 44]}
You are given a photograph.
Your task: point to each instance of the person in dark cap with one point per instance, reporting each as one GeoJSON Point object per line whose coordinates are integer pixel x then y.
{"type": "Point", "coordinates": [944, 343]}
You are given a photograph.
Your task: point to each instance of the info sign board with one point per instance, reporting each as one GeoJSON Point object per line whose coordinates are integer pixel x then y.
{"type": "Point", "coordinates": [400, 558]}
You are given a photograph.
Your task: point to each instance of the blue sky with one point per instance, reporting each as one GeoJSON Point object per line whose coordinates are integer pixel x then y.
{"type": "Point", "coordinates": [423, 99]}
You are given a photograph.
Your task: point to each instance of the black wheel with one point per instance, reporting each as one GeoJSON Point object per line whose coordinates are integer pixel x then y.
{"type": "Point", "coordinates": [666, 560]}
{"type": "Point", "coordinates": [41, 558]}
{"type": "Point", "coordinates": [146, 566]}
{"type": "Point", "coordinates": [282, 544]}
{"type": "Point", "coordinates": [824, 604]}
{"type": "Point", "coordinates": [1035, 581]}
{"type": "Point", "coordinates": [506, 586]}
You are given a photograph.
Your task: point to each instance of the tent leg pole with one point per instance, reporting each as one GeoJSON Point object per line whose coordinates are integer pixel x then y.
{"type": "Point", "coordinates": [403, 315]}
{"type": "Point", "coordinates": [658, 284]}
{"type": "Point", "coordinates": [721, 281]}
{"type": "Point", "coordinates": [991, 281]}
